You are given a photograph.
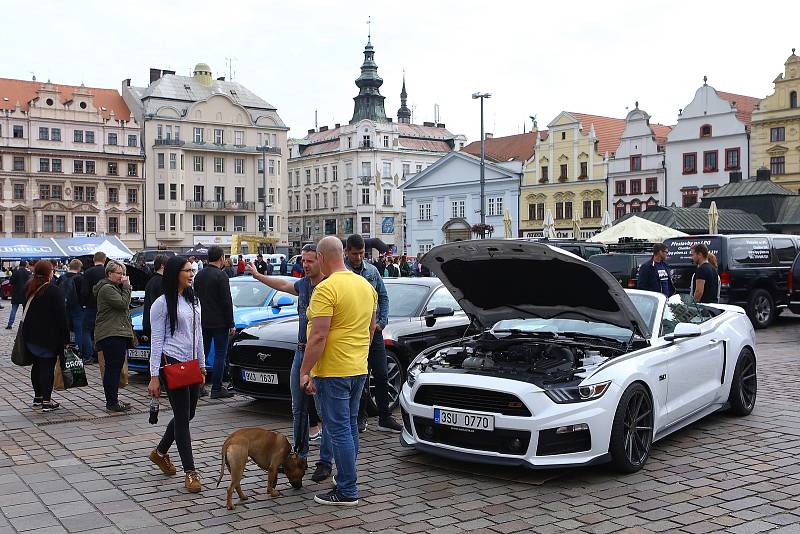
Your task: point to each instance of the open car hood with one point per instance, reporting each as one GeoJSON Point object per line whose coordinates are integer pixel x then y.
{"type": "Point", "coordinates": [496, 279]}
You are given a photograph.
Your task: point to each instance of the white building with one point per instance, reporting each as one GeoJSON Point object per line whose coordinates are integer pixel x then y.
{"type": "Point", "coordinates": [443, 201]}
{"type": "Point", "coordinates": [636, 170]}
{"type": "Point", "coordinates": [345, 180]}
{"type": "Point", "coordinates": [208, 144]}
{"type": "Point", "coordinates": [709, 142]}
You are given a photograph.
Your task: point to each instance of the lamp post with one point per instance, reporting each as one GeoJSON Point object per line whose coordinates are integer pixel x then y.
{"type": "Point", "coordinates": [263, 150]}
{"type": "Point", "coordinates": [482, 96]}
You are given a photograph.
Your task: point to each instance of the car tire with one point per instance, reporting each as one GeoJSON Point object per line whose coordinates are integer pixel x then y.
{"type": "Point", "coordinates": [761, 308]}
{"type": "Point", "coordinates": [395, 369]}
{"type": "Point", "coordinates": [632, 430]}
{"type": "Point", "coordinates": [742, 398]}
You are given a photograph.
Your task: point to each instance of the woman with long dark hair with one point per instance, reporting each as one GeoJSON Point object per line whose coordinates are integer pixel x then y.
{"type": "Point", "coordinates": [176, 336]}
{"type": "Point", "coordinates": [44, 329]}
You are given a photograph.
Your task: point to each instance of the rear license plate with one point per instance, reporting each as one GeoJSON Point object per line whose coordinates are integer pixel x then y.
{"type": "Point", "coordinates": [474, 421]}
{"type": "Point", "coordinates": [139, 354]}
{"type": "Point", "coordinates": [259, 378]}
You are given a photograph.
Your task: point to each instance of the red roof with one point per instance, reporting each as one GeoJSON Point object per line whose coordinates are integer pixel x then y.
{"type": "Point", "coordinates": [23, 91]}
{"type": "Point", "coordinates": [517, 147]}
{"type": "Point", "coordinates": [744, 105]}
{"type": "Point", "coordinates": [609, 130]}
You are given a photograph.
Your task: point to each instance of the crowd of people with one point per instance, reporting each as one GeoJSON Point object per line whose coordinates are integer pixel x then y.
{"type": "Point", "coordinates": [656, 275]}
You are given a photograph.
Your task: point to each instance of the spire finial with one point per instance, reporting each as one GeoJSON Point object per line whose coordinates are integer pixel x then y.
{"type": "Point", "coordinates": [369, 29]}
{"type": "Point", "coordinates": [637, 104]}
{"type": "Point", "coordinates": [792, 51]}
{"type": "Point", "coordinates": [705, 80]}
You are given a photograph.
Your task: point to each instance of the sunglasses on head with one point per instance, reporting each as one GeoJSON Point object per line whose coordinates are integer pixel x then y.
{"type": "Point", "coordinates": [309, 248]}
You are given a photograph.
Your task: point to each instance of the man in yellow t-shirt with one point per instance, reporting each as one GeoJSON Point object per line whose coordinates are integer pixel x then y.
{"type": "Point", "coordinates": [341, 322]}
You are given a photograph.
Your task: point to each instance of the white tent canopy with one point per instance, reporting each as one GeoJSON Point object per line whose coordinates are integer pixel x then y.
{"type": "Point", "coordinates": [86, 246]}
{"type": "Point", "coordinates": [636, 228]}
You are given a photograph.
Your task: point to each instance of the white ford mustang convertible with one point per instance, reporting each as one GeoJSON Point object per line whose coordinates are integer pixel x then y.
{"type": "Point", "coordinates": [569, 367]}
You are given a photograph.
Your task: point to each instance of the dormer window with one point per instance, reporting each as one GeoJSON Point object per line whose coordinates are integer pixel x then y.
{"type": "Point", "coordinates": [705, 130]}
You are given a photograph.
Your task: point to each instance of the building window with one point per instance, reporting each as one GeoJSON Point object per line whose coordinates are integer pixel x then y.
{"type": "Point", "coordinates": [619, 187]}
{"type": "Point", "coordinates": [112, 139]}
{"type": "Point", "coordinates": [218, 137]}
{"type": "Point", "coordinates": [90, 167]}
{"type": "Point", "coordinates": [89, 137]}
{"type": "Point", "coordinates": [385, 141]}
{"type": "Point", "coordinates": [690, 163]}
{"type": "Point", "coordinates": [61, 223]}
{"type": "Point", "coordinates": [348, 198]}
{"type": "Point", "coordinates": [387, 197]}
{"type": "Point", "coordinates": [316, 175]}
{"type": "Point", "coordinates": [219, 223]}
{"type": "Point", "coordinates": [536, 211]}
{"type": "Point", "coordinates": [636, 163]}
{"type": "Point", "coordinates": [308, 201]}
{"type": "Point", "coordinates": [545, 173]}
{"type": "Point", "coordinates": [619, 210]}
{"type": "Point", "coordinates": [160, 158]}
{"type": "Point", "coordinates": [584, 170]}
{"type": "Point", "coordinates": [219, 193]}
{"type": "Point", "coordinates": [159, 132]}
{"type": "Point", "coordinates": [366, 142]}
{"type": "Point", "coordinates": [172, 222]}
{"type": "Point", "coordinates": [199, 163]}
{"type": "Point", "coordinates": [133, 169]}
{"type": "Point", "coordinates": [651, 185]}
{"type": "Point", "coordinates": [334, 173]}
{"type": "Point", "coordinates": [777, 165]}
{"type": "Point", "coordinates": [113, 195]}
{"type": "Point", "coordinates": [44, 192]}
{"type": "Point", "coordinates": [365, 196]}
{"type": "Point", "coordinates": [308, 176]}
{"type": "Point", "coordinates": [366, 225]}
{"type": "Point", "coordinates": [162, 222]}
{"type": "Point", "coordinates": [199, 193]}
{"type": "Point", "coordinates": [55, 165]}
{"type": "Point", "coordinates": [19, 192]}
{"type": "Point", "coordinates": [77, 136]}
{"type": "Point", "coordinates": [173, 192]}
{"type": "Point", "coordinates": [113, 225]}
{"type": "Point", "coordinates": [44, 165]}
{"type": "Point", "coordinates": [132, 142]}
{"type": "Point", "coordinates": [44, 134]}
{"type": "Point", "coordinates": [173, 161]}
{"type": "Point", "coordinates": [425, 211]}
{"type": "Point", "coordinates": [705, 130]}
{"type": "Point", "coordinates": [562, 175]}
{"type": "Point", "coordinates": [636, 187]}
{"type": "Point", "coordinates": [458, 209]}
{"type": "Point", "coordinates": [219, 164]}
{"type": "Point", "coordinates": [85, 223]}
{"type": "Point", "coordinates": [55, 134]}
{"type": "Point", "coordinates": [17, 133]}
{"type": "Point", "coordinates": [710, 161]}
{"type": "Point", "coordinates": [325, 200]}
{"type": "Point", "coordinates": [334, 199]}
{"type": "Point", "coordinates": [238, 137]}
{"type": "Point", "coordinates": [636, 206]}
{"type": "Point", "coordinates": [198, 135]}
{"type": "Point", "coordinates": [238, 194]}
{"type": "Point", "coordinates": [271, 167]}
{"type": "Point", "coordinates": [238, 166]}
{"type": "Point", "coordinates": [596, 209]}
{"type": "Point", "coordinates": [19, 224]}
{"type": "Point", "coordinates": [47, 223]}
{"type": "Point", "coordinates": [239, 223]}
{"type": "Point", "coordinates": [731, 159]}
{"type": "Point", "coordinates": [161, 195]}
{"type": "Point", "coordinates": [387, 169]}
{"type": "Point", "coordinates": [133, 195]}
{"type": "Point", "coordinates": [78, 193]}
{"type": "Point", "coordinates": [349, 142]}
{"type": "Point", "coordinates": [19, 163]}
{"type": "Point", "coordinates": [133, 225]}
{"type": "Point", "coordinates": [651, 203]}
{"type": "Point", "coordinates": [689, 197]}
{"type": "Point", "coordinates": [792, 100]}
{"type": "Point", "coordinates": [495, 205]}
{"type": "Point", "coordinates": [271, 196]}
{"type": "Point", "coordinates": [418, 167]}
{"type": "Point", "coordinates": [777, 134]}
{"type": "Point", "coordinates": [112, 168]}
{"type": "Point", "coordinates": [406, 169]}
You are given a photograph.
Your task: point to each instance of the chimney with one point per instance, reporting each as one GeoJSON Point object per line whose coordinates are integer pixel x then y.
{"type": "Point", "coordinates": [735, 177]}
{"type": "Point", "coordinates": [762, 175]}
{"type": "Point", "coordinates": [126, 82]}
{"type": "Point", "coordinates": [489, 135]}
{"type": "Point", "coordinates": [338, 125]}
{"type": "Point", "coordinates": [323, 128]}
{"type": "Point", "coordinates": [165, 72]}
{"type": "Point", "coordinates": [427, 123]}
{"type": "Point", "coordinates": [312, 130]}
{"type": "Point", "coordinates": [221, 79]}
{"type": "Point", "coordinates": [155, 74]}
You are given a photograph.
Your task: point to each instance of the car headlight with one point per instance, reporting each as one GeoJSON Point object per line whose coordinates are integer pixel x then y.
{"type": "Point", "coordinates": [415, 369]}
{"type": "Point", "coordinates": [570, 394]}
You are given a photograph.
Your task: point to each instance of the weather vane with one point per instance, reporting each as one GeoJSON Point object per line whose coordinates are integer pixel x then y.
{"type": "Point", "coordinates": [369, 28]}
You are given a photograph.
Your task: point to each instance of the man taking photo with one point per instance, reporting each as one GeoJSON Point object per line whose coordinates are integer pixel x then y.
{"type": "Point", "coordinates": [654, 274]}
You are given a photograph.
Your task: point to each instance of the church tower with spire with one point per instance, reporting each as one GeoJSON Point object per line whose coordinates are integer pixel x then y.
{"type": "Point", "coordinates": [369, 102]}
{"type": "Point", "coordinates": [404, 114]}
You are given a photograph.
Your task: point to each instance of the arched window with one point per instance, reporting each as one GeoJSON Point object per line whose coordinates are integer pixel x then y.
{"type": "Point", "coordinates": [793, 99]}
{"type": "Point", "coordinates": [705, 130]}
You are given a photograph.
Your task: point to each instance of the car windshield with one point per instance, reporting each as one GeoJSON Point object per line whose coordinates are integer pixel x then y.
{"type": "Point", "coordinates": [557, 326]}
{"type": "Point", "coordinates": [405, 300]}
{"type": "Point", "coordinates": [248, 294]}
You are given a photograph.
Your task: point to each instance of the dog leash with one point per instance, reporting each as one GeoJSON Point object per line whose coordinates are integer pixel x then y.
{"type": "Point", "coordinates": [302, 436]}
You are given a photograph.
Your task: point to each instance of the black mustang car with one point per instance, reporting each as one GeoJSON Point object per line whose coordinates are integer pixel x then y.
{"type": "Point", "coordinates": [422, 313]}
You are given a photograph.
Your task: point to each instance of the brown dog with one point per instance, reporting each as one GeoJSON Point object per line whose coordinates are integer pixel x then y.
{"type": "Point", "coordinates": [269, 450]}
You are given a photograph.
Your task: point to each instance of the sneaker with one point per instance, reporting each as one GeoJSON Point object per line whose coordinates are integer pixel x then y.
{"type": "Point", "coordinates": [8, 327]}
{"type": "Point", "coordinates": [389, 425]}
{"type": "Point", "coordinates": [333, 482]}
{"type": "Point", "coordinates": [221, 394]}
{"type": "Point", "coordinates": [335, 498]}
{"type": "Point", "coordinates": [192, 482]}
{"type": "Point", "coordinates": [49, 406]}
{"type": "Point", "coordinates": [37, 402]}
{"type": "Point", "coordinates": [120, 407]}
{"type": "Point", "coordinates": [163, 462]}
{"type": "Point", "coordinates": [362, 425]}
{"type": "Point", "coordinates": [315, 436]}
{"type": "Point", "coordinates": [322, 472]}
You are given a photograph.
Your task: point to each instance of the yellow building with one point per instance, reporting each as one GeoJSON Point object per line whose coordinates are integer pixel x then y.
{"type": "Point", "coordinates": [775, 124]}
{"type": "Point", "coordinates": [567, 174]}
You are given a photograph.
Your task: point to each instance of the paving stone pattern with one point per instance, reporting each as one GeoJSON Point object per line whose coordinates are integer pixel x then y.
{"type": "Point", "coordinates": [80, 469]}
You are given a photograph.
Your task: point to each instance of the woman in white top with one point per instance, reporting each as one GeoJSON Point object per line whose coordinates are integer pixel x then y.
{"type": "Point", "coordinates": [176, 335]}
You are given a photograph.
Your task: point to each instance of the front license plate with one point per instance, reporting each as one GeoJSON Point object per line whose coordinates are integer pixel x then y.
{"type": "Point", "coordinates": [474, 421]}
{"type": "Point", "coordinates": [139, 354]}
{"type": "Point", "coordinates": [259, 378]}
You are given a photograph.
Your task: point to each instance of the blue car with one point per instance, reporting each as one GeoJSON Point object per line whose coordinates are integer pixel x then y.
{"type": "Point", "coordinates": [253, 303]}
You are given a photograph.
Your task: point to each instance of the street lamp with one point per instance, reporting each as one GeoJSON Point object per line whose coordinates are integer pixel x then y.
{"type": "Point", "coordinates": [482, 96]}
{"type": "Point", "coordinates": [263, 150]}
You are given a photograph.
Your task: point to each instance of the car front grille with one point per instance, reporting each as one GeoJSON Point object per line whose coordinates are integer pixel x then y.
{"type": "Point", "coordinates": [261, 358]}
{"type": "Point", "coordinates": [499, 440]}
{"type": "Point", "coordinates": [463, 398]}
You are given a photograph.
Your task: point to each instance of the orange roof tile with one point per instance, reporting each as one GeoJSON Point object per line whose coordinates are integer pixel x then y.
{"type": "Point", "coordinates": [23, 91]}
{"type": "Point", "coordinates": [609, 130]}
{"type": "Point", "coordinates": [744, 105]}
{"type": "Point", "coordinates": [517, 147]}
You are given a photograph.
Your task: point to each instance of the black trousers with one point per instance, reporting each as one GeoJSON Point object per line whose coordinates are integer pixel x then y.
{"type": "Point", "coordinates": [184, 405]}
{"type": "Point", "coordinates": [378, 366]}
{"type": "Point", "coordinates": [42, 377]}
{"type": "Point", "coordinates": [114, 355]}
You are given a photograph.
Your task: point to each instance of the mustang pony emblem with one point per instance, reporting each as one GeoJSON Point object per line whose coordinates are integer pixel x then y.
{"type": "Point", "coordinates": [263, 356]}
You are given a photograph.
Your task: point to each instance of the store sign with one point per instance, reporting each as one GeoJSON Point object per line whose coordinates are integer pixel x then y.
{"type": "Point", "coordinates": [213, 240]}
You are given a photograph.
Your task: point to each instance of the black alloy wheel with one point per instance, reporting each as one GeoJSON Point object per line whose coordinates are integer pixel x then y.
{"type": "Point", "coordinates": [761, 308]}
{"type": "Point", "coordinates": [394, 369]}
{"type": "Point", "coordinates": [632, 431]}
{"type": "Point", "coordinates": [742, 398]}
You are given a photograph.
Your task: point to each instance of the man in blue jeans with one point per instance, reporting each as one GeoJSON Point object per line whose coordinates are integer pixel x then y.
{"type": "Point", "coordinates": [302, 288]}
{"type": "Point", "coordinates": [214, 291]}
{"type": "Point", "coordinates": [341, 318]}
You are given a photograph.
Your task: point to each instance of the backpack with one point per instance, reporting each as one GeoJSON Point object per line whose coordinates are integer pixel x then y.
{"type": "Point", "coordinates": [70, 290]}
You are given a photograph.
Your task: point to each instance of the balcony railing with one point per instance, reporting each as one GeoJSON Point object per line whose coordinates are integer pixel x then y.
{"type": "Point", "coordinates": [270, 149]}
{"type": "Point", "coordinates": [169, 142]}
{"type": "Point", "coordinates": [219, 205]}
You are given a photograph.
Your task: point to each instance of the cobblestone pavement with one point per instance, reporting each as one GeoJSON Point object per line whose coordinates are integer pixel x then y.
{"type": "Point", "coordinates": [82, 470]}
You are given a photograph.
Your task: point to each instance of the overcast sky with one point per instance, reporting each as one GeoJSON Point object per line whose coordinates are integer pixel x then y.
{"type": "Point", "coordinates": [301, 55]}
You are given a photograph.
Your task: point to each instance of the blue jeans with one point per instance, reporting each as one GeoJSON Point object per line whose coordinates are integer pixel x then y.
{"type": "Point", "coordinates": [302, 424]}
{"type": "Point", "coordinates": [76, 327]}
{"type": "Point", "coordinates": [220, 337]}
{"type": "Point", "coordinates": [14, 313]}
{"type": "Point", "coordinates": [89, 318]}
{"type": "Point", "coordinates": [338, 400]}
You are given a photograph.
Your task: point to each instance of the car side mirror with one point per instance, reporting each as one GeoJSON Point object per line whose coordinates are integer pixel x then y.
{"type": "Point", "coordinates": [432, 315]}
{"type": "Point", "coordinates": [284, 301]}
{"type": "Point", "coordinates": [684, 330]}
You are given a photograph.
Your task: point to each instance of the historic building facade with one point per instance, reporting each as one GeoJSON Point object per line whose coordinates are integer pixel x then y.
{"type": "Point", "coordinates": [637, 169]}
{"type": "Point", "coordinates": [568, 174]}
{"type": "Point", "coordinates": [710, 140]}
{"type": "Point", "coordinates": [216, 160]}
{"type": "Point", "coordinates": [346, 179]}
{"type": "Point", "coordinates": [775, 142]}
{"type": "Point", "coordinates": [70, 163]}
{"type": "Point", "coordinates": [443, 201]}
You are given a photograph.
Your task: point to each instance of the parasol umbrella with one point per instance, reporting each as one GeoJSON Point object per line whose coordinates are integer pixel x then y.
{"type": "Point", "coordinates": [576, 226]}
{"type": "Point", "coordinates": [605, 224]}
{"type": "Point", "coordinates": [507, 224]}
{"type": "Point", "coordinates": [713, 218]}
{"type": "Point", "coordinates": [549, 225]}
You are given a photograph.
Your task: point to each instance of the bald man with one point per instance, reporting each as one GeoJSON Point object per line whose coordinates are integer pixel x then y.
{"type": "Point", "coordinates": [341, 322]}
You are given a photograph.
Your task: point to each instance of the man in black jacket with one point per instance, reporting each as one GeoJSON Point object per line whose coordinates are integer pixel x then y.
{"type": "Point", "coordinates": [654, 274]}
{"type": "Point", "coordinates": [214, 291]}
{"type": "Point", "coordinates": [91, 277]}
{"type": "Point", "coordinates": [19, 279]}
{"type": "Point", "coordinates": [153, 290]}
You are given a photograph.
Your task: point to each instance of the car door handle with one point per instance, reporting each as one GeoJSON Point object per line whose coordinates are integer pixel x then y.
{"type": "Point", "coordinates": [713, 341]}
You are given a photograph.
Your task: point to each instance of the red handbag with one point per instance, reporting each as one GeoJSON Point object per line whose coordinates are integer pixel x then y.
{"type": "Point", "coordinates": [184, 374]}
